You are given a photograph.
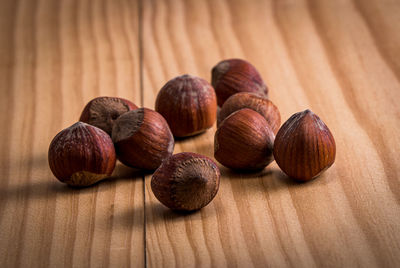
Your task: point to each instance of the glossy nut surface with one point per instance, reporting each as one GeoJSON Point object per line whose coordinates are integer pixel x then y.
{"type": "Point", "coordinates": [186, 181]}
{"type": "Point", "coordinates": [255, 102]}
{"type": "Point", "coordinates": [142, 139]}
{"type": "Point", "coordinates": [189, 105]}
{"type": "Point", "coordinates": [244, 141]}
{"type": "Point", "coordinates": [304, 146]}
{"type": "Point", "coordinates": [232, 76]}
{"type": "Point", "coordinates": [81, 155]}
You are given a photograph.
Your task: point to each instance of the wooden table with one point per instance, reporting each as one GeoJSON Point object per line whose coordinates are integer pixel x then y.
{"type": "Point", "coordinates": [339, 58]}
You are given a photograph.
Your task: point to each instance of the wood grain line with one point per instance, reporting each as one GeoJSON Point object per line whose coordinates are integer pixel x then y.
{"type": "Point", "coordinates": [371, 13]}
{"type": "Point", "coordinates": [89, 34]}
{"type": "Point", "coordinates": [339, 58]}
{"type": "Point", "coordinates": [70, 237]}
{"type": "Point", "coordinates": [318, 18]}
{"type": "Point", "coordinates": [26, 19]}
{"type": "Point", "coordinates": [362, 115]}
{"type": "Point", "coordinates": [375, 26]}
{"type": "Point", "coordinates": [281, 14]}
{"type": "Point", "coordinates": [46, 21]}
{"type": "Point", "coordinates": [56, 55]}
{"type": "Point", "coordinates": [7, 64]}
{"type": "Point", "coordinates": [212, 21]}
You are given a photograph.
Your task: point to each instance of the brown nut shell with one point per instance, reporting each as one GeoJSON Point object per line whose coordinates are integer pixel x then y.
{"type": "Point", "coordinates": [81, 155]}
{"type": "Point", "coordinates": [255, 102]}
{"type": "Point", "coordinates": [232, 76]}
{"type": "Point", "coordinates": [186, 181]}
{"type": "Point", "coordinates": [101, 112]}
{"type": "Point", "coordinates": [244, 141]}
{"type": "Point", "coordinates": [142, 139]}
{"type": "Point", "coordinates": [189, 105]}
{"type": "Point", "coordinates": [304, 146]}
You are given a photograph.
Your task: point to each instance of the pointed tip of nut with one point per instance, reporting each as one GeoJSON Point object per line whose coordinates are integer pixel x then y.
{"type": "Point", "coordinates": [186, 76]}
{"type": "Point", "coordinates": [78, 124]}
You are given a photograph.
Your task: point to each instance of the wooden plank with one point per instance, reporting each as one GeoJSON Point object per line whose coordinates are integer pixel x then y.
{"type": "Point", "coordinates": [323, 55]}
{"type": "Point", "coordinates": [339, 58]}
{"type": "Point", "coordinates": [54, 57]}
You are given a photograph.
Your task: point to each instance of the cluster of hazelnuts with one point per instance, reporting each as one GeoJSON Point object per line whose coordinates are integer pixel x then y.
{"type": "Point", "coordinates": [249, 137]}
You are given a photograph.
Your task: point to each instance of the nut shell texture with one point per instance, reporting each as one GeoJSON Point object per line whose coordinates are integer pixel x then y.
{"type": "Point", "coordinates": [232, 76]}
{"type": "Point", "coordinates": [255, 102]}
{"type": "Point", "coordinates": [244, 141]}
{"type": "Point", "coordinates": [103, 111]}
{"type": "Point", "coordinates": [304, 146]}
{"type": "Point", "coordinates": [142, 139]}
{"type": "Point", "coordinates": [186, 181]}
{"type": "Point", "coordinates": [81, 155]}
{"type": "Point", "coordinates": [189, 105]}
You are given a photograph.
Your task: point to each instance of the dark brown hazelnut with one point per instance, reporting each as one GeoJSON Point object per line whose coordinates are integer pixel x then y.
{"type": "Point", "coordinates": [232, 76]}
{"type": "Point", "coordinates": [255, 102]}
{"type": "Point", "coordinates": [244, 141]}
{"type": "Point", "coordinates": [81, 155]}
{"type": "Point", "coordinates": [189, 105]}
{"type": "Point", "coordinates": [101, 112]}
{"type": "Point", "coordinates": [304, 146]}
{"type": "Point", "coordinates": [186, 181]}
{"type": "Point", "coordinates": [142, 139]}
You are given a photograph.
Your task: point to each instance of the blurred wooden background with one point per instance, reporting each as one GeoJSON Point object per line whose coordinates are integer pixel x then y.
{"type": "Point", "coordinates": [339, 58]}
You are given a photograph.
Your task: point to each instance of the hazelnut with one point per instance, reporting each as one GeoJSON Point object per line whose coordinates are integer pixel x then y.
{"type": "Point", "coordinates": [101, 112]}
{"type": "Point", "coordinates": [304, 146]}
{"type": "Point", "coordinates": [233, 76]}
{"type": "Point", "coordinates": [189, 105]}
{"type": "Point", "coordinates": [142, 139]}
{"type": "Point", "coordinates": [244, 141]}
{"type": "Point", "coordinates": [81, 155]}
{"type": "Point", "coordinates": [255, 102]}
{"type": "Point", "coordinates": [186, 181]}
